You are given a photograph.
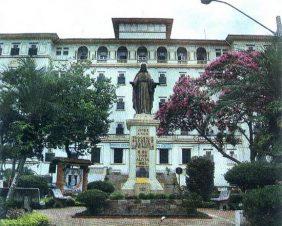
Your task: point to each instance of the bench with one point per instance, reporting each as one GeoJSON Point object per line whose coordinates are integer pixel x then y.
{"type": "Point", "coordinates": [223, 199]}
{"type": "Point", "coordinates": [59, 198]}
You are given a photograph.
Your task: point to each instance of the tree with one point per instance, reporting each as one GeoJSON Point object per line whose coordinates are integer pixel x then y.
{"type": "Point", "coordinates": [26, 112]}
{"type": "Point", "coordinates": [197, 169]}
{"type": "Point", "coordinates": [82, 109]}
{"type": "Point", "coordinates": [214, 101]}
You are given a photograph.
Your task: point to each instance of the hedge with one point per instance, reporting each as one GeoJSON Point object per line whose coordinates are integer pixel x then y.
{"type": "Point", "coordinates": [263, 206]}
{"type": "Point", "coordinates": [33, 181]}
{"type": "Point", "coordinates": [252, 175]}
{"type": "Point", "coordinates": [31, 219]}
{"type": "Point", "coordinates": [94, 200]}
{"type": "Point", "coordinates": [200, 179]}
{"type": "Point", "coordinates": [104, 186]}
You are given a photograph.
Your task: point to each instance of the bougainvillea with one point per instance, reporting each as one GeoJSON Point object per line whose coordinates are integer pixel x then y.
{"type": "Point", "coordinates": [226, 99]}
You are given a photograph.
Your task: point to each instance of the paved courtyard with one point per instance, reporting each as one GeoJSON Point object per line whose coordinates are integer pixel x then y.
{"type": "Point", "coordinates": [63, 217]}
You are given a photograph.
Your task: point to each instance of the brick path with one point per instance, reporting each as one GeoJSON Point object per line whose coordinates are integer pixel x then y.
{"type": "Point", "coordinates": [63, 217]}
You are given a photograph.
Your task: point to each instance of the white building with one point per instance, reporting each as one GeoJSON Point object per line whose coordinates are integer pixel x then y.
{"type": "Point", "coordinates": [136, 40]}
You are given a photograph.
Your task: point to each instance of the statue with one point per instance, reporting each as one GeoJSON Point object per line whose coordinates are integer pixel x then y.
{"type": "Point", "coordinates": [143, 91]}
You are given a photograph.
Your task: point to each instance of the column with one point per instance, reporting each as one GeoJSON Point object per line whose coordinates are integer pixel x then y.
{"type": "Point", "coordinates": [60, 176]}
{"type": "Point", "coordinates": [85, 178]}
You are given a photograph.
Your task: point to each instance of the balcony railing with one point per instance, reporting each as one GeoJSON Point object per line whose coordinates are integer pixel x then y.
{"type": "Point", "coordinates": [162, 61]}
{"type": "Point", "coordinates": [122, 60]}
{"type": "Point", "coordinates": [142, 59]}
{"type": "Point", "coordinates": [202, 61]}
{"type": "Point", "coordinates": [182, 61]}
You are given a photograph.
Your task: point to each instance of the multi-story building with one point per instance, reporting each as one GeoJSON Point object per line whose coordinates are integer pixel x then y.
{"type": "Point", "coordinates": [136, 40]}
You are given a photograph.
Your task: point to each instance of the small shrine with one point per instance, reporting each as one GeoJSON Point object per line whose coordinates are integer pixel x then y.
{"type": "Point", "coordinates": [72, 173]}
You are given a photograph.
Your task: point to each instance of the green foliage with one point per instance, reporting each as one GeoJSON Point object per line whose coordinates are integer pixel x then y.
{"type": "Point", "coordinates": [161, 196]}
{"type": "Point", "coordinates": [32, 219]}
{"type": "Point", "coordinates": [83, 107]}
{"type": "Point", "coordinates": [201, 177]}
{"type": "Point", "coordinates": [94, 200]}
{"type": "Point", "coordinates": [172, 196]}
{"type": "Point", "coordinates": [252, 175]}
{"type": "Point", "coordinates": [142, 196]}
{"type": "Point", "coordinates": [263, 206]}
{"type": "Point", "coordinates": [116, 196]}
{"type": "Point", "coordinates": [33, 181]}
{"type": "Point", "coordinates": [191, 202]}
{"type": "Point", "coordinates": [104, 186]}
{"type": "Point", "coordinates": [235, 201]}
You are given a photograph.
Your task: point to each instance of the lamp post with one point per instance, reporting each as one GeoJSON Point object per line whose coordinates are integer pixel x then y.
{"type": "Point", "coordinates": [206, 2]}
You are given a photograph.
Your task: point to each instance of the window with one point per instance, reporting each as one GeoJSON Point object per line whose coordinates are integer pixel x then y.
{"type": "Point", "coordinates": [186, 155]}
{"type": "Point", "coordinates": [66, 51]}
{"type": "Point", "coordinates": [201, 55]}
{"type": "Point", "coordinates": [32, 51]}
{"type": "Point", "coordinates": [142, 54]}
{"type": "Point", "coordinates": [224, 51]}
{"type": "Point", "coordinates": [163, 156]}
{"type": "Point", "coordinates": [182, 55]}
{"type": "Point", "coordinates": [119, 129]}
{"type": "Point", "coordinates": [100, 77]}
{"type": "Point", "coordinates": [208, 154]}
{"type": "Point", "coordinates": [15, 50]}
{"type": "Point", "coordinates": [122, 54]}
{"type": "Point", "coordinates": [96, 155]}
{"type": "Point", "coordinates": [217, 52]}
{"type": "Point", "coordinates": [121, 79]}
{"type": "Point", "coordinates": [250, 47]}
{"type": "Point", "coordinates": [161, 55]}
{"type": "Point", "coordinates": [58, 51]}
{"type": "Point", "coordinates": [118, 155]}
{"type": "Point", "coordinates": [1, 49]}
{"type": "Point", "coordinates": [162, 102]}
{"type": "Point", "coordinates": [162, 79]}
{"type": "Point", "coordinates": [82, 53]}
{"type": "Point", "coordinates": [120, 104]}
{"type": "Point", "coordinates": [102, 53]}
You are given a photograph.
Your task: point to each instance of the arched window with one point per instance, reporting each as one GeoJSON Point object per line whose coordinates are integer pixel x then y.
{"type": "Point", "coordinates": [182, 55]}
{"type": "Point", "coordinates": [201, 55]}
{"type": "Point", "coordinates": [142, 54]}
{"type": "Point", "coordinates": [82, 53]}
{"type": "Point", "coordinates": [102, 53]}
{"type": "Point", "coordinates": [122, 54]}
{"type": "Point", "coordinates": [161, 55]}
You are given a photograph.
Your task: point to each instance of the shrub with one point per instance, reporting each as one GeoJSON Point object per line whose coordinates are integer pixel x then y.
{"type": "Point", "coordinates": [191, 202]}
{"type": "Point", "coordinates": [104, 186]}
{"type": "Point", "coordinates": [116, 196]}
{"type": "Point", "coordinates": [263, 206]}
{"type": "Point", "coordinates": [33, 181]}
{"type": "Point", "coordinates": [32, 219]}
{"type": "Point", "coordinates": [252, 175]}
{"type": "Point", "coordinates": [151, 196]}
{"type": "Point", "coordinates": [200, 179]}
{"type": "Point", "coordinates": [235, 201]}
{"type": "Point", "coordinates": [93, 199]}
{"type": "Point", "coordinates": [142, 196]}
{"type": "Point", "coordinates": [161, 196]}
{"type": "Point", "coordinates": [172, 196]}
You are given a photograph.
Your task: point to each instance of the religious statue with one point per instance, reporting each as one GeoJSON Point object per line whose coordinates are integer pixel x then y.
{"type": "Point", "coordinates": [143, 91]}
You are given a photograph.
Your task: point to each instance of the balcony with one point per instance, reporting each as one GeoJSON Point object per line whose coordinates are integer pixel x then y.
{"type": "Point", "coordinates": [123, 61]}
{"type": "Point", "coordinates": [142, 59]}
{"type": "Point", "coordinates": [182, 61]}
{"type": "Point", "coordinates": [202, 61]}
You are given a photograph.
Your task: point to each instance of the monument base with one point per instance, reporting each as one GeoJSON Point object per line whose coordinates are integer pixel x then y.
{"type": "Point", "coordinates": [142, 152]}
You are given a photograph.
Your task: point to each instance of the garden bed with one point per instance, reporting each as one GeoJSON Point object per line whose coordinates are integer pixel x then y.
{"type": "Point", "coordinates": [144, 208]}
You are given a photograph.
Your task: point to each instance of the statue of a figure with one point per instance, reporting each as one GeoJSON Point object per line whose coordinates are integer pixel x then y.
{"type": "Point", "coordinates": [143, 91]}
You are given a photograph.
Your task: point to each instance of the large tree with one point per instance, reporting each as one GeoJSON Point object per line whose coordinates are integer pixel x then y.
{"type": "Point", "coordinates": [83, 108]}
{"type": "Point", "coordinates": [229, 98]}
{"type": "Point", "coordinates": [26, 113]}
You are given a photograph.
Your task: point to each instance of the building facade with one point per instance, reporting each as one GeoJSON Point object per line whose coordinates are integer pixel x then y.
{"type": "Point", "coordinates": [136, 40]}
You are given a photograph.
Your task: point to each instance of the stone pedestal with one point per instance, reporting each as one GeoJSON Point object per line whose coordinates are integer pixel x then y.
{"type": "Point", "coordinates": [142, 156]}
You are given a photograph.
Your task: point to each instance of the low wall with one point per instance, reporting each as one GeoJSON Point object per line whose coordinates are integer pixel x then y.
{"type": "Point", "coordinates": [137, 207]}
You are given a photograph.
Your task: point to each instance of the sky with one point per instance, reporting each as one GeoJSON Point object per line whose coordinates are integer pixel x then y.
{"type": "Point", "coordinates": [92, 18]}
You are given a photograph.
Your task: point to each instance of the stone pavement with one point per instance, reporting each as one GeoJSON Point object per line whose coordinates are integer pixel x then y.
{"type": "Point", "coordinates": [63, 217]}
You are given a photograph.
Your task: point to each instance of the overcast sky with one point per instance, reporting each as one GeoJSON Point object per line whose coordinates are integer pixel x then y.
{"type": "Point", "coordinates": [92, 18]}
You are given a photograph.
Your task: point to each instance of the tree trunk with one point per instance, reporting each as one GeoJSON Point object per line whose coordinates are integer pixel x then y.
{"type": "Point", "coordinates": [13, 168]}
{"type": "Point", "coordinates": [253, 153]}
{"type": "Point", "coordinates": [15, 179]}
{"type": "Point", "coordinates": [68, 150]}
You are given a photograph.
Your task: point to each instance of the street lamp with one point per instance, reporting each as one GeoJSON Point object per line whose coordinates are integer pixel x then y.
{"type": "Point", "coordinates": [206, 2]}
